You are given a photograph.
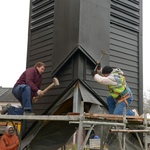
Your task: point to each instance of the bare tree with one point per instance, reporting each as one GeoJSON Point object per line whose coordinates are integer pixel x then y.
{"type": "Point", "coordinates": [146, 101]}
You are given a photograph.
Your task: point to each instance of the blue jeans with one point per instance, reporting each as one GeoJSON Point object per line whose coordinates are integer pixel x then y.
{"type": "Point", "coordinates": [23, 93]}
{"type": "Point", "coordinates": [15, 111]}
{"type": "Point", "coordinates": [118, 108]}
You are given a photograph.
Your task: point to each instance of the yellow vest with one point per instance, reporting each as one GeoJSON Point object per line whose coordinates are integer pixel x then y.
{"type": "Point", "coordinates": [116, 90]}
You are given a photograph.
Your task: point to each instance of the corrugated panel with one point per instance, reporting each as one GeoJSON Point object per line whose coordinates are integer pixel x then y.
{"type": "Point", "coordinates": [41, 29]}
{"type": "Point", "coordinates": [3, 90]}
{"type": "Point", "coordinates": [42, 14]}
{"type": "Point", "coordinates": [124, 40]}
{"type": "Point", "coordinates": [125, 13]}
{"type": "Point", "coordinates": [6, 95]}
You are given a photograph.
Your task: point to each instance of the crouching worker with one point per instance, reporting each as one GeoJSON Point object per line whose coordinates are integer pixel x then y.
{"type": "Point", "coordinates": [25, 89]}
{"type": "Point", "coordinates": [9, 140]}
{"type": "Point", "coordinates": [120, 94]}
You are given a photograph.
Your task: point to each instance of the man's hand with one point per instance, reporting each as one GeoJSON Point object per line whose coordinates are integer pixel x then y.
{"type": "Point", "coordinates": [40, 92]}
{"type": "Point", "coordinates": [98, 66]}
{"type": "Point", "coordinates": [93, 73]}
{"type": "Point", "coordinates": [35, 99]}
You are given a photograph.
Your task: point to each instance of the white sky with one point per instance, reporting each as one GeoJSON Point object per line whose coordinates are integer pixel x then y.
{"type": "Point", "coordinates": [14, 16]}
{"type": "Point", "coordinates": [146, 45]}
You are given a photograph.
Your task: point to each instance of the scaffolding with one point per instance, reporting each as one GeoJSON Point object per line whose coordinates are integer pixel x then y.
{"type": "Point", "coordinates": [118, 124]}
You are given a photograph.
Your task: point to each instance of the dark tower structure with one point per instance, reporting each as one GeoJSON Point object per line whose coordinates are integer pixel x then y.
{"type": "Point", "coordinates": [68, 35]}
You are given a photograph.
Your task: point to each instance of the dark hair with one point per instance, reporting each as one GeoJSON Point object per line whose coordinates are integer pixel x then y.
{"type": "Point", "coordinates": [39, 64]}
{"type": "Point", "coordinates": [107, 70]}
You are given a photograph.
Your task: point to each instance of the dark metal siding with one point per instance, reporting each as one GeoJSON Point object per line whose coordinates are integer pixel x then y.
{"type": "Point", "coordinates": [68, 36]}
{"type": "Point", "coordinates": [40, 32]}
{"type": "Point", "coordinates": [66, 30]}
{"type": "Point", "coordinates": [56, 42]}
{"type": "Point", "coordinates": [94, 37]}
{"type": "Point", "coordinates": [124, 42]}
{"type": "Point", "coordinates": [94, 26]}
{"type": "Point", "coordinates": [40, 42]}
{"type": "Point", "coordinates": [125, 47]}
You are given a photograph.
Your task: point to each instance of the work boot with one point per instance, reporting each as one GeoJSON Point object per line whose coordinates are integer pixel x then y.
{"type": "Point", "coordinates": [5, 110]}
{"type": "Point", "coordinates": [26, 113]}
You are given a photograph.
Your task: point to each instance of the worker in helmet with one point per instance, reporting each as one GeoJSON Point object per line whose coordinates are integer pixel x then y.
{"type": "Point", "coordinates": [120, 95]}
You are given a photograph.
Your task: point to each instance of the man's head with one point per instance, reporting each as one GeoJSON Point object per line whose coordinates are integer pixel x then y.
{"type": "Point", "coordinates": [107, 70]}
{"type": "Point", "coordinates": [9, 130]}
{"type": "Point", "coordinates": [40, 66]}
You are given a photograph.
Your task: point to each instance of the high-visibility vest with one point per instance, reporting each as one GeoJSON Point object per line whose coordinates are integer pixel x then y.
{"type": "Point", "coordinates": [116, 90]}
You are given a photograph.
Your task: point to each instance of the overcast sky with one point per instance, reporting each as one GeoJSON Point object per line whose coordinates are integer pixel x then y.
{"type": "Point", "coordinates": [14, 16]}
{"type": "Point", "coordinates": [146, 45]}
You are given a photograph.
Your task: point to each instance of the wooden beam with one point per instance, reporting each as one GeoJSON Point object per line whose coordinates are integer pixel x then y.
{"type": "Point", "coordinates": [129, 131]}
{"type": "Point", "coordinates": [39, 117]}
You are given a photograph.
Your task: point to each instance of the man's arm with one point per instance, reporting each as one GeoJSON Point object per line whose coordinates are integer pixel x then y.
{"type": "Point", "coordinates": [105, 80]}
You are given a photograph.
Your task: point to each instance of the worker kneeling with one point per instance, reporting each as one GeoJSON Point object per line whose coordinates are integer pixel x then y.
{"type": "Point", "coordinates": [120, 94]}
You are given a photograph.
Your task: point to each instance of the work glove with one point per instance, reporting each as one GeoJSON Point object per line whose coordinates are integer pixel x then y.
{"type": "Point", "coordinates": [93, 73]}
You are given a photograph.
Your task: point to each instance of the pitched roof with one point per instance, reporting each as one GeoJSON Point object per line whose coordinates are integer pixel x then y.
{"type": "Point", "coordinates": [6, 95]}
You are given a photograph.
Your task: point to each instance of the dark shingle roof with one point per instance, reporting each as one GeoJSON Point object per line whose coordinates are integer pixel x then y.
{"type": "Point", "coordinates": [6, 95]}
